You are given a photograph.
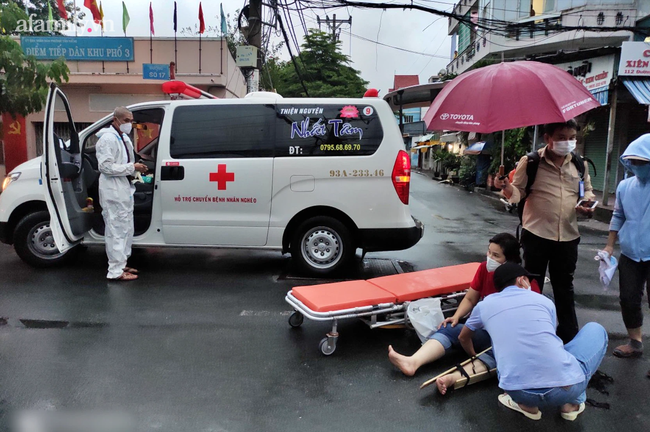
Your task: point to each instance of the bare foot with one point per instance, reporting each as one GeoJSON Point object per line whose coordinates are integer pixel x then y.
{"type": "Point", "coordinates": [445, 382]}
{"type": "Point", "coordinates": [403, 363]}
{"type": "Point", "coordinates": [567, 408]}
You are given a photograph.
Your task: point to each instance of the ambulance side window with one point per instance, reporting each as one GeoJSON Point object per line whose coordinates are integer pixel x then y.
{"type": "Point", "coordinates": [327, 130]}
{"type": "Point", "coordinates": [222, 131]}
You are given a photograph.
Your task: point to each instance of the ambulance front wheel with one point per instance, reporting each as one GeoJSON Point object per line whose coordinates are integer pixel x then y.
{"type": "Point", "coordinates": [296, 319]}
{"type": "Point", "coordinates": [34, 242]}
{"type": "Point", "coordinates": [321, 246]}
{"type": "Point", "coordinates": [327, 346]}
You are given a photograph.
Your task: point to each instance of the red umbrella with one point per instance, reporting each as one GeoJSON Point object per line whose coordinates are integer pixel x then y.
{"type": "Point", "coordinates": [508, 96]}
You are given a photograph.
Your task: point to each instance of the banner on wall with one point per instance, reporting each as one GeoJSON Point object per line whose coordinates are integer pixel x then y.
{"type": "Point", "coordinates": [78, 48]}
{"type": "Point", "coordinates": [14, 136]}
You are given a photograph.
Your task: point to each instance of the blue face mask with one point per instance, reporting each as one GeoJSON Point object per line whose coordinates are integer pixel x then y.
{"type": "Point", "coordinates": [642, 172]}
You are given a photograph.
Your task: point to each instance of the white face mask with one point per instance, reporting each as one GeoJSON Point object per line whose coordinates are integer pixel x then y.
{"type": "Point", "coordinates": [563, 148]}
{"type": "Point", "coordinates": [492, 264]}
{"type": "Point", "coordinates": [126, 128]}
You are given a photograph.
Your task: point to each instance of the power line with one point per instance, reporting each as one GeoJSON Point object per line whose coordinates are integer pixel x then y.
{"type": "Point", "coordinates": [293, 60]}
{"type": "Point", "coordinates": [482, 23]}
{"type": "Point", "coordinates": [395, 47]}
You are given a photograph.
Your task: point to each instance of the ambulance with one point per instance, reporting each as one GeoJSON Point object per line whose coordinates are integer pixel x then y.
{"type": "Point", "coordinates": [316, 178]}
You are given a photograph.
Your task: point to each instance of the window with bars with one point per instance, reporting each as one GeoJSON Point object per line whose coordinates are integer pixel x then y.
{"type": "Point", "coordinates": [61, 129]}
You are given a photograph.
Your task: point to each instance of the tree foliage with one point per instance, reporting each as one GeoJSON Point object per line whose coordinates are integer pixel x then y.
{"type": "Point", "coordinates": [15, 10]}
{"type": "Point", "coordinates": [23, 80]}
{"type": "Point", "coordinates": [324, 70]}
{"type": "Point", "coordinates": [517, 144]}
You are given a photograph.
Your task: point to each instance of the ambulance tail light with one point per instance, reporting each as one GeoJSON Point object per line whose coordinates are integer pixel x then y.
{"type": "Point", "coordinates": [402, 176]}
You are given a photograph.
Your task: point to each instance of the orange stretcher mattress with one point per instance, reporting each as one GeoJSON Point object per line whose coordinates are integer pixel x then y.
{"type": "Point", "coordinates": [341, 295]}
{"type": "Point", "coordinates": [428, 283]}
{"type": "Point", "coordinates": [388, 289]}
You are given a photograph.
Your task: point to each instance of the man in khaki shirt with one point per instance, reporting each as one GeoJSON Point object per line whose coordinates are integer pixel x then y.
{"type": "Point", "coordinates": [550, 234]}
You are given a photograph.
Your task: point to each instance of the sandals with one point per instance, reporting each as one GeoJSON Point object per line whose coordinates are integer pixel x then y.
{"type": "Point", "coordinates": [571, 416]}
{"type": "Point", "coordinates": [131, 270]}
{"type": "Point", "coordinates": [630, 352]}
{"type": "Point", "coordinates": [126, 276]}
{"type": "Point", "coordinates": [507, 401]}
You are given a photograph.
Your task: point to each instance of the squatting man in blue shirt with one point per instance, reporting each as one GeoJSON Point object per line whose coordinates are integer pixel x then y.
{"type": "Point", "coordinates": [535, 369]}
{"type": "Point", "coordinates": [631, 224]}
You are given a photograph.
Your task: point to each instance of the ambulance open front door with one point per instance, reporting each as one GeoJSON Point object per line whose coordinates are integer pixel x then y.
{"type": "Point", "coordinates": [63, 175]}
{"type": "Point", "coordinates": [216, 175]}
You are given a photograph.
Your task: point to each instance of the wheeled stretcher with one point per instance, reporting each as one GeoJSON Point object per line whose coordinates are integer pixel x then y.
{"type": "Point", "coordinates": [379, 302]}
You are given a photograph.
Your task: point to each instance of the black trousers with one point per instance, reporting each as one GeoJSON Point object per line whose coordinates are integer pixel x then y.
{"type": "Point", "coordinates": [632, 278]}
{"type": "Point", "coordinates": [561, 259]}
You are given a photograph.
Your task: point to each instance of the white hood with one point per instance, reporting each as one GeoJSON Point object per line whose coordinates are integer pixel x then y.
{"type": "Point", "coordinates": [107, 130]}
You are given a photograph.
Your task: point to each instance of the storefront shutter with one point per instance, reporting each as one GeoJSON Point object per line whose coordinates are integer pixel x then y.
{"type": "Point", "coordinates": [596, 148]}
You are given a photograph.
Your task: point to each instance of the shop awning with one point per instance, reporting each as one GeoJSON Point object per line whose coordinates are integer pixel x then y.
{"type": "Point", "coordinates": [449, 137]}
{"type": "Point", "coordinates": [602, 96]}
{"type": "Point", "coordinates": [640, 89]}
{"type": "Point", "coordinates": [476, 148]}
{"type": "Point", "coordinates": [426, 138]}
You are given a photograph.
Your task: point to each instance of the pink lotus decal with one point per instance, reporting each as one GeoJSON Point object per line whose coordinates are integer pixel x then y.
{"type": "Point", "coordinates": [349, 111]}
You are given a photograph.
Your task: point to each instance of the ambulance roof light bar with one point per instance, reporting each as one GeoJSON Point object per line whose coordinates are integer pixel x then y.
{"type": "Point", "coordinates": [184, 90]}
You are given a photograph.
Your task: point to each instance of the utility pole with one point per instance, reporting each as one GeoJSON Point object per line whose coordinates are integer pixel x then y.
{"type": "Point", "coordinates": [334, 25]}
{"type": "Point", "coordinates": [255, 39]}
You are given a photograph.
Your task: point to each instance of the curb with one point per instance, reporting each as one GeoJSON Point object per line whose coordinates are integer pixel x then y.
{"type": "Point", "coordinates": [602, 215]}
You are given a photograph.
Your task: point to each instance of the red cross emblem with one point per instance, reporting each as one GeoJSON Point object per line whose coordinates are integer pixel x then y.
{"type": "Point", "coordinates": [222, 177]}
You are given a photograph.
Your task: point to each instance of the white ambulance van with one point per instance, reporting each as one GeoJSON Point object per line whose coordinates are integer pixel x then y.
{"type": "Point", "coordinates": [318, 178]}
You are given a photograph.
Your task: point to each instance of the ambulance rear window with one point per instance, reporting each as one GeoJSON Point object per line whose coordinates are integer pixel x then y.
{"type": "Point", "coordinates": [327, 130]}
{"type": "Point", "coordinates": [222, 131]}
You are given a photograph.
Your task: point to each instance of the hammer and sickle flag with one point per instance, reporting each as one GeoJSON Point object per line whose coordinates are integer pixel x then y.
{"type": "Point", "coordinates": [14, 128]}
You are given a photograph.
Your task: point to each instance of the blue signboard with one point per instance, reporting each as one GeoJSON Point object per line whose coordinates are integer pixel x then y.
{"type": "Point", "coordinates": [155, 71]}
{"type": "Point", "coordinates": [78, 48]}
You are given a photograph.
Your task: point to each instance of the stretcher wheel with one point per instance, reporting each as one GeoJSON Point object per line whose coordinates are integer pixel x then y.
{"type": "Point", "coordinates": [327, 346]}
{"type": "Point", "coordinates": [296, 319]}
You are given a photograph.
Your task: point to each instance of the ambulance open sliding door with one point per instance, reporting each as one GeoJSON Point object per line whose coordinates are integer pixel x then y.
{"type": "Point", "coordinates": [216, 177]}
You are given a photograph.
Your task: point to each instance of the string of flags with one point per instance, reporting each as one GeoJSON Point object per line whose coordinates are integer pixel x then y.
{"type": "Point", "coordinates": [97, 13]}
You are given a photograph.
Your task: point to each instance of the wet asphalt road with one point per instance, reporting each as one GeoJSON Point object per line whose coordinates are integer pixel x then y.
{"type": "Point", "coordinates": [201, 341]}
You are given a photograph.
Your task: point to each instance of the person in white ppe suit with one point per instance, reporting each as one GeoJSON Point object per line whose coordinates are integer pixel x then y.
{"type": "Point", "coordinates": [116, 160]}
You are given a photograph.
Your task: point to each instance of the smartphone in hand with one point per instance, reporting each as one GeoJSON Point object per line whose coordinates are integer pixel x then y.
{"type": "Point", "coordinates": [587, 204]}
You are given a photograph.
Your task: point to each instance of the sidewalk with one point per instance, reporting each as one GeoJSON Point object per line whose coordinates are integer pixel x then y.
{"type": "Point", "coordinates": [600, 221]}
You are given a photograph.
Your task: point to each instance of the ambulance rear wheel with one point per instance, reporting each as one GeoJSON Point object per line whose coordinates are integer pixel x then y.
{"type": "Point", "coordinates": [321, 246]}
{"type": "Point", "coordinates": [34, 243]}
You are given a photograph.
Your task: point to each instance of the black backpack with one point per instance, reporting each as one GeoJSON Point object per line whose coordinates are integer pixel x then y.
{"type": "Point", "coordinates": [531, 173]}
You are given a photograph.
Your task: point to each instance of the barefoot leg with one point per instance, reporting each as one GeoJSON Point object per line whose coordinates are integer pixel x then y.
{"type": "Point", "coordinates": [447, 381]}
{"type": "Point", "coordinates": [431, 350]}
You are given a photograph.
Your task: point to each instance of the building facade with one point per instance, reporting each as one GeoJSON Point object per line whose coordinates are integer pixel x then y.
{"type": "Point", "coordinates": [537, 30]}
{"type": "Point", "coordinates": [98, 85]}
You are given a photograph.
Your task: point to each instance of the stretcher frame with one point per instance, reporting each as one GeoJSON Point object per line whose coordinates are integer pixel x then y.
{"type": "Point", "coordinates": [393, 314]}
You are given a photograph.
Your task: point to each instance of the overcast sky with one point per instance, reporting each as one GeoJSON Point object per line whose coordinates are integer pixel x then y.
{"type": "Point", "coordinates": [413, 30]}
